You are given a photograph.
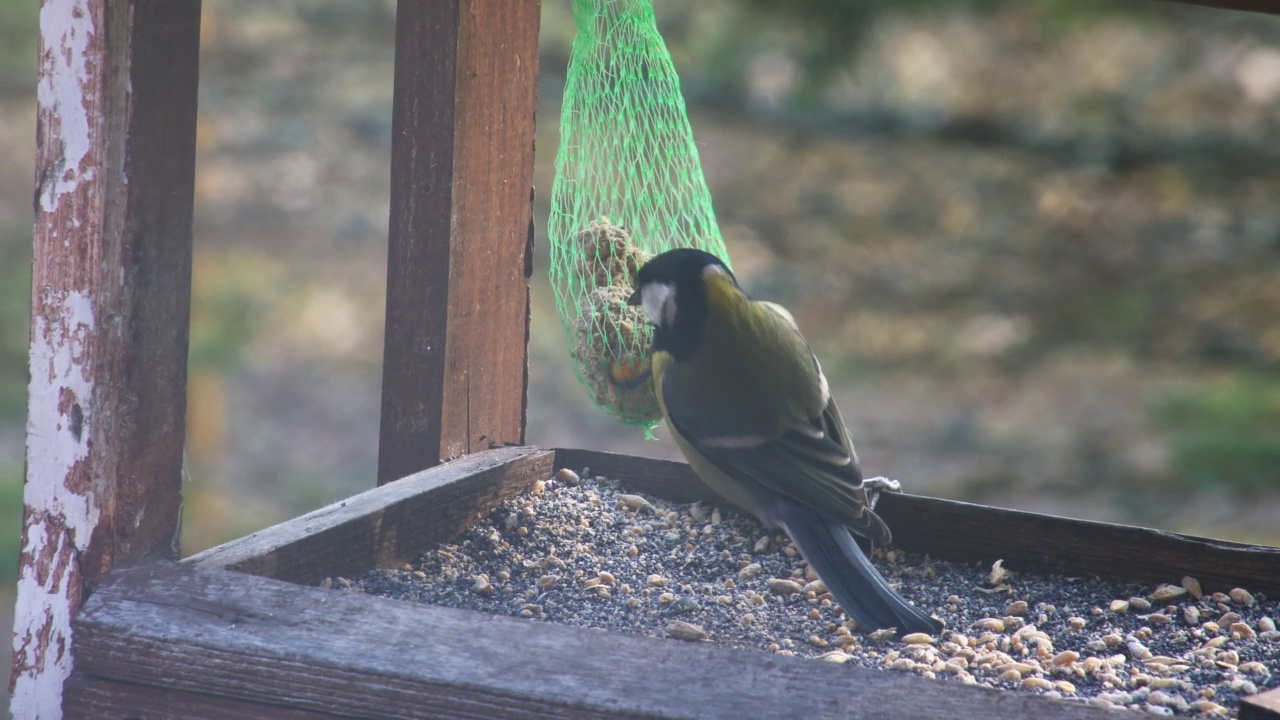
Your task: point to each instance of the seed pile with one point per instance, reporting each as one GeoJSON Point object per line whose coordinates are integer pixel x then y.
{"type": "Point", "coordinates": [588, 553]}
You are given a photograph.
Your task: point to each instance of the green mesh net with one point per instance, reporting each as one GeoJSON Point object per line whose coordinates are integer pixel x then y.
{"type": "Point", "coordinates": [628, 186]}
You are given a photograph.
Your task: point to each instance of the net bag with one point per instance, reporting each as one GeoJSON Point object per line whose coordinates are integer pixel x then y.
{"type": "Point", "coordinates": [628, 186]}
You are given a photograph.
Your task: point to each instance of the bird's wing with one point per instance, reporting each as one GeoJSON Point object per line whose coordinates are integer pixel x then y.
{"type": "Point", "coordinates": [805, 465]}
{"type": "Point", "coordinates": [811, 461]}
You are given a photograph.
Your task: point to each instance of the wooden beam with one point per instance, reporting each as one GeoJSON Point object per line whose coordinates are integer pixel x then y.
{"type": "Point", "coordinates": [964, 532]}
{"type": "Point", "coordinates": [115, 158]}
{"type": "Point", "coordinates": [455, 359]}
{"type": "Point", "coordinates": [93, 697]}
{"type": "Point", "coordinates": [386, 525]}
{"type": "Point", "coordinates": [204, 631]}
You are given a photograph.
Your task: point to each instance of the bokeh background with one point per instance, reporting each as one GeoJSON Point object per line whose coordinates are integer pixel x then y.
{"type": "Point", "coordinates": [1036, 244]}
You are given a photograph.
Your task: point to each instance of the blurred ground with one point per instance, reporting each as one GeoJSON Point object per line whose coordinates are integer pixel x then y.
{"type": "Point", "coordinates": [1038, 251]}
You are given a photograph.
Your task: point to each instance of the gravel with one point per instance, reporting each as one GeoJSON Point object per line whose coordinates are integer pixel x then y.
{"type": "Point", "coordinates": [583, 551]}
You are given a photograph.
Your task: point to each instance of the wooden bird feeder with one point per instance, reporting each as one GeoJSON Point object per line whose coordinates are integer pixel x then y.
{"type": "Point", "coordinates": [111, 624]}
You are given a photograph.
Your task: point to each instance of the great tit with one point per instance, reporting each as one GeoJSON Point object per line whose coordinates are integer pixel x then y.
{"type": "Point", "coordinates": [749, 407]}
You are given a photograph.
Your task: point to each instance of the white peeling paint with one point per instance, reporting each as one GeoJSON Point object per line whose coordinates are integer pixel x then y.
{"type": "Point", "coordinates": [65, 78]}
{"type": "Point", "coordinates": [63, 520]}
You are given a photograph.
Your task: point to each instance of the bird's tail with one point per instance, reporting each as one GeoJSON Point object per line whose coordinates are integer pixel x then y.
{"type": "Point", "coordinates": [849, 575]}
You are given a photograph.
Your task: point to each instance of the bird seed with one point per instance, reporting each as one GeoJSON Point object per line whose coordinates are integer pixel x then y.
{"type": "Point", "coordinates": [593, 555]}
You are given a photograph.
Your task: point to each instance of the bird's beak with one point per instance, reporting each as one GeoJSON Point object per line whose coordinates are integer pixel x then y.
{"type": "Point", "coordinates": [635, 298]}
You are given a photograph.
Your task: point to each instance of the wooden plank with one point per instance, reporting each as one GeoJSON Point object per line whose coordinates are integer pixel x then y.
{"type": "Point", "coordinates": [460, 257]}
{"type": "Point", "coordinates": [385, 525]}
{"type": "Point", "coordinates": [93, 697]}
{"type": "Point", "coordinates": [197, 629]}
{"type": "Point", "coordinates": [1263, 706]}
{"type": "Point", "coordinates": [963, 532]}
{"type": "Point", "coordinates": [115, 158]}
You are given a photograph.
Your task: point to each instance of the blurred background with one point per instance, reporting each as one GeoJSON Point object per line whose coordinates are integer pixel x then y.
{"type": "Point", "coordinates": [1035, 243]}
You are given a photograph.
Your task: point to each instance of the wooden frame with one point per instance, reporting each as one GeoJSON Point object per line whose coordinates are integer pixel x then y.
{"type": "Point", "coordinates": [110, 305]}
{"type": "Point", "coordinates": [224, 644]}
{"type": "Point", "coordinates": [455, 365]}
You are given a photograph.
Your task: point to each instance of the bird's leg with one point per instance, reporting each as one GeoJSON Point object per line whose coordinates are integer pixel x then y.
{"type": "Point", "coordinates": [876, 485]}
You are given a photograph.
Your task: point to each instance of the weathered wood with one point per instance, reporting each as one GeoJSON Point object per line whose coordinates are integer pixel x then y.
{"type": "Point", "coordinates": [203, 630]}
{"type": "Point", "coordinates": [964, 532]}
{"type": "Point", "coordinates": [115, 158]}
{"type": "Point", "coordinates": [1263, 706]}
{"type": "Point", "coordinates": [211, 636]}
{"type": "Point", "coordinates": [460, 252]}
{"type": "Point", "coordinates": [92, 697]}
{"type": "Point", "coordinates": [385, 525]}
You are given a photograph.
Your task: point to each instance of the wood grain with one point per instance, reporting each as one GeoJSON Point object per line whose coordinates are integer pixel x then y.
{"type": "Point", "coordinates": [963, 532]}
{"type": "Point", "coordinates": [202, 630]}
{"type": "Point", "coordinates": [93, 697]}
{"type": "Point", "coordinates": [459, 260]}
{"type": "Point", "coordinates": [115, 159]}
{"type": "Point", "coordinates": [385, 525]}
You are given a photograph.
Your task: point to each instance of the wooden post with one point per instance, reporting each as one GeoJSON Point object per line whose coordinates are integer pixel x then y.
{"type": "Point", "coordinates": [455, 366]}
{"type": "Point", "coordinates": [110, 292]}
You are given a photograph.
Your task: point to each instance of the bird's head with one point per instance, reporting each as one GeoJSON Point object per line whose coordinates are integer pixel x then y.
{"type": "Point", "coordinates": [673, 289]}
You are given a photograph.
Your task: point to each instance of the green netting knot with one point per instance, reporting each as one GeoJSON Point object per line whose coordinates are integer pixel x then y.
{"type": "Point", "coordinates": [628, 186]}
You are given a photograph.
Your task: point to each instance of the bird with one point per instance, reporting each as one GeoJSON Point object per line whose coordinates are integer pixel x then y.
{"type": "Point", "coordinates": [747, 403]}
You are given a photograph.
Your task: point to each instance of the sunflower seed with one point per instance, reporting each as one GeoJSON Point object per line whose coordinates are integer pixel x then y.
{"type": "Point", "coordinates": [1066, 657]}
{"type": "Point", "coordinates": [993, 624]}
{"type": "Point", "coordinates": [1193, 586]}
{"type": "Point", "coordinates": [1167, 592]}
{"type": "Point", "coordinates": [782, 586]}
{"type": "Point", "coordinates": [1240, 596]}
{"type": "Point", "coordinates": [681, 630]}
{"type": "Point", "coordinates": [1191, 615]}
{"type": "Point", "coordinates": [635, 503]}
{"type": "Point", "coordinates": [1036, 683]}
{"type": "Point", "coordinates": [1242, 630]}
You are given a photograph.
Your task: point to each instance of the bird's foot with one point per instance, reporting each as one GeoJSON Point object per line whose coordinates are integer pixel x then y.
{"type": "Point", "coordinates": [876, 485]}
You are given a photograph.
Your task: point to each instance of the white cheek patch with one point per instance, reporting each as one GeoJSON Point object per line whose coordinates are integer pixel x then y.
{"type": "Point", "coordinates": [659, 300]}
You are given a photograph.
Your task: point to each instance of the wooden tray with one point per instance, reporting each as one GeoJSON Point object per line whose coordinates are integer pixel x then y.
{"type": "Point", "coordinates": [243, 630]}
